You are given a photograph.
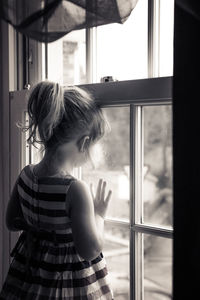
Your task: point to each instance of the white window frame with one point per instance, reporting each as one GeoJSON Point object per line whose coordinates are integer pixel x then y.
{"type": "Point", "coordinates": [135, 93]}
{"type": "Point", "coordinates": [91, 46]}
{"type": "Point", "coordinates": [153, 45]}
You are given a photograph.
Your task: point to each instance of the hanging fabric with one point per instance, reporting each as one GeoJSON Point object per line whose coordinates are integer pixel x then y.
{"type": "Point", "coordinates": [49, 20]}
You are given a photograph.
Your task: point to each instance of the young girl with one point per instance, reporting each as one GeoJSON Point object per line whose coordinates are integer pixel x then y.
{"type": "Point", "coordinates": [59, 252]}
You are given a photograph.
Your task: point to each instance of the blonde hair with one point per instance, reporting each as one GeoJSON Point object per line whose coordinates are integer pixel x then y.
{"type": "Point", "coordinates": [58, 115]}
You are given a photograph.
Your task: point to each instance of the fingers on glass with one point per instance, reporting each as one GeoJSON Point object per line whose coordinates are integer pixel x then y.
{"type": "Point", "coordinates": [99, 189]}
{"type": "Point", "coordinates": [103, 191]}
{"type": "Point", "coordinates": [108, 197]}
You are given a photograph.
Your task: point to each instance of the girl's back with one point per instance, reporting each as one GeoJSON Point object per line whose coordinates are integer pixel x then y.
{"type": "Point", "coordinates": [43, 200]}
{"type": "Point", "coordinates": [55, 269]}
{"type": "Point", "coordinates": [59, 253]}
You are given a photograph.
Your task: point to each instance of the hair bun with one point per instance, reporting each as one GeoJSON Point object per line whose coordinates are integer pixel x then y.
{"type": "Point", "coordinates": [45, 109]}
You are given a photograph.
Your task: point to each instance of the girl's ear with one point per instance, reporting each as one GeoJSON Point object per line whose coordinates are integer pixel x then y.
{"type": "Point", "coordinates": [83, 143]}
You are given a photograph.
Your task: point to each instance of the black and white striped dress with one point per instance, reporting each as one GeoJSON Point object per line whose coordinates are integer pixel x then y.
{"type": "Point", "coordinates": [46, 265]}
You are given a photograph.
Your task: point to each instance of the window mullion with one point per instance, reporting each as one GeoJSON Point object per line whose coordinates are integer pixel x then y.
{"type": "Point", "coordinates": [91, 54]}
{"type": "Point", "coordinates": [45, 49]}
{"type": "Point", "coordinates": [153, 230]}
{"type": "Point", "coordinates": [136, 242]}
{"type": "Point", "coordinates": [153, 38]}
{"type": "Point", "coordinates": [150, 37]}
{"type": "Point", "coordinates": [138, 199]}
{"type": "Point", "coordinates": [132, 206]}
{"type": "Point", "coordinates": [138, 164]}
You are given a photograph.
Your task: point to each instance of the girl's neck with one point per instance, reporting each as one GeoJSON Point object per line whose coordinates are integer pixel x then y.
{"type": "Point", "coordinates": [49, 166]}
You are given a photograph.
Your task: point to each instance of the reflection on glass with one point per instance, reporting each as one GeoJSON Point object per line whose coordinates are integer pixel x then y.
{"type": "Point", "coordinates": [116, 252]}
{"type": "Point", "coordinates": [157, 282]}
{"type": "Point", "coordinates": [66, 59]}
{"type": "Point", "coordinates": [111, 157]}
{"type": "Point", "coordinates": [122, 49]}
{"type": "Point", "coordinates": [157, 167]}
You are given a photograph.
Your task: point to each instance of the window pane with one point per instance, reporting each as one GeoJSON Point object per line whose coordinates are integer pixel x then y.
{"type": "Point", "coordinates": [157, 282]}
{"type": "Point", "coordinates": [111, 161]}
{"type": "Point", "coordinates": [116, 252]}
{"type": "Point", "coordinates": [112, 164]}
{"type": "Point", "coordinates": [66, 59]}
{"type": "Point", "coordinates": [166, 35]}
{"type": "Point", "coordinates": [122, 49]}
{"type": "Point", "coordinates": [157, 165]}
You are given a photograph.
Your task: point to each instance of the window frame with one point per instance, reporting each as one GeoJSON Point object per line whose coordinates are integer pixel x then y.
{"type": "Point", "coordinates": [153, 44]}
{"type": "Point", "coordinates": [153, 51]}
{"type": "Point", "coordinates": [135, 93]}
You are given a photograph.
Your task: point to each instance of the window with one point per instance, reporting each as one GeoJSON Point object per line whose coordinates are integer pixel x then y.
{"type": "Point", "coordinates": [136, 159]}
{"type": "Point", "coordinates": [69, 67]}
{"type": "Point", "coordinates": [140, 48]}
{"type": "Point", "coordinates": [113, 165]}
{"type": "Point", "coordinates": [136, 162]}
{"type": "Point", "coordinates": [122, 49]}
{"type": "Point", "coordinates": [165, 37]}
{"type": "Point", "coordinates": [157, 267]}
{"type": "Point", "coordinates": [102, 51]}
{"type": "Point", "coordinates": [157, 173]}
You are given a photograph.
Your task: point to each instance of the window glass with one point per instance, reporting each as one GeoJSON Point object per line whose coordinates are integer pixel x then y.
{"type": "Point", "coordinates": [157, 283]}
{"type": "Point", "coordinates": [116, 252]}
{"type": "Point", "coordinates": [157, 165]}
{"type": "Point", "coordinates": [36, 154]}
{"type": "Point", "coordinates": [166, 34]}
{"type": "Point", "coordinates": [111, 162]}
{"type": "Point", "coordinates": [67, 59]}
{"type": "Point", "coordinates": [122, 49]}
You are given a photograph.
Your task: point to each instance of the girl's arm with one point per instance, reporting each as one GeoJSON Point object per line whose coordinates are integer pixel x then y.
{"type": "Point", "coordinates": [100, 204]}
{"type": "Point", "coordinates": [87, 222]}
{"type": "Point", "coordinates": [14, 215]}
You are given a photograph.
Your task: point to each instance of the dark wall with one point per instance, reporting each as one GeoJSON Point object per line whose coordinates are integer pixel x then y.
{"type": "Point", "coordinates": [4, 150]}
{"type": "Point", "coordinates": [186, 122]}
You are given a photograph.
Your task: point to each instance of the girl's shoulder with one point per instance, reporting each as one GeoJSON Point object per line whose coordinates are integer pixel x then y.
{"type": "Point", "coordinates": [80, 186]}
{"type": "Point", "coordinates": [28, 172]}
{"type": "Point", "coordinates": [80, 191]}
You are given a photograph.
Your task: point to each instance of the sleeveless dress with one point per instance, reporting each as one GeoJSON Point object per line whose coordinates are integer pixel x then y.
{"type": "Point", "coordinates": [46, 264]}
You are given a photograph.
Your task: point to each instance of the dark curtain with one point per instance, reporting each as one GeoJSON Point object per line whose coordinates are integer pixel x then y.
{"type": "Point", "coordinates": [186, 133]}
{"type": "Point", "coordinates": [49, 20]}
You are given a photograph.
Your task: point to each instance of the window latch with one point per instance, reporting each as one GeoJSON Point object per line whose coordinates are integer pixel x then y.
{"type": "Point", "coordinates": [108, 79]}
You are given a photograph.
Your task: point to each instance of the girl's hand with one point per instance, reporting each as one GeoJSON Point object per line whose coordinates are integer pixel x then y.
{"type": "Point", "coordinates": [100, 201]}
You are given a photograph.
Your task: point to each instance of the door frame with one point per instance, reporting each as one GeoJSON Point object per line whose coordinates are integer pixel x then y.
{"type": "Point", "coordinates": [20, 64]}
